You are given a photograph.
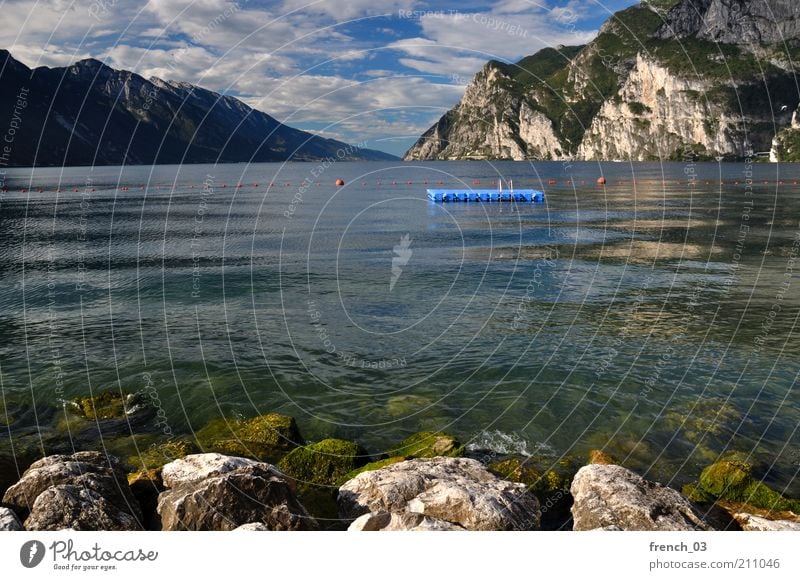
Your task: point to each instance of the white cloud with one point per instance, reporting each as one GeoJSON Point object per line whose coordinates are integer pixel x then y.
{"type": "Point", "coordinates": [349, 9]}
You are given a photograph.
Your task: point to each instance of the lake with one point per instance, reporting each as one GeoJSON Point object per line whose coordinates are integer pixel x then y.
{"type": "Point", "coordinates": [654, 317]}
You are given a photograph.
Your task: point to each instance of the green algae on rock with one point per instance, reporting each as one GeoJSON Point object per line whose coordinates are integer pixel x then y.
{"type": "Point", "coordinates": [110, 404]}
{"type": "Point", "coordinates": [732, 480]}
{"type": "Point", "coordinates": [159, 454]}
{"type": "Point", "coordinates": [265, 437]}
{"type": "Point", "coordinates": [323, 463]}
{"type": "Point", "coordinates": [556, 477]}
{"type": "Point", "coordinates": [599, 457]}
{"type": "Point", "coordinates": [429, 444]}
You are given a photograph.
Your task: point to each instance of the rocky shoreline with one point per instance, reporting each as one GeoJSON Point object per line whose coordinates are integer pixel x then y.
{"type": "Point", "coordinates": [260, 474]}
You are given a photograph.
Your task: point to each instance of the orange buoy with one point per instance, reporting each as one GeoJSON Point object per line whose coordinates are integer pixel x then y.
{"type": "Point", "coordinates": [601, 181]}
{"type": "Point", "coordinates": [339, 182]}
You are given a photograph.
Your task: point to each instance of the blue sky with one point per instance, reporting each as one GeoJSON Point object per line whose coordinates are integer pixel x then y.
{"type": "Point", "coordinates": [380, 71]}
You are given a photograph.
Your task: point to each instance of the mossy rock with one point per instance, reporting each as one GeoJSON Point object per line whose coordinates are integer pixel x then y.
{"type": "Point", "coordinates": [373, 466]}
{"type": "Point", "coordinates": [429, 444]}
{"type": "Point", "coordinates": [266, 437]}
{"type": "Point", "coordinates": [732, 480]}
{"type": "Point", "coordinates": [323, 463]}
{"type": "Point", "coordinates": [707, 417]}
{"type": "Point", "coordinates": [159, 454]}
{"type": "Point", "coordinates": [598, 457]}
{"type": "Point", "coordinates": [538, 481]}
{"type": "Point", "coordinates": [109, 404]}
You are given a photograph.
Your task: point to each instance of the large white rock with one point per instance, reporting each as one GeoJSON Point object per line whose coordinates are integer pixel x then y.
{"type": "Point", "coordinates": [453, 493]}
{"type": "Point", "coordinates": [751, 523]}
{"type": "Point", "coordinates": [610, 495]}
{"type": "Point", "coordinates": [200, 466]}
{"type": "Point", "coordinates": [9, 522]}
{"type": "Point", "coordinates": [87, 490]}
{"type": "Point", "coordinates": [215, 492]}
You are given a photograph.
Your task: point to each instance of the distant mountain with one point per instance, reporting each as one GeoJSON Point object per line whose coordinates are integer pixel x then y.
{"type": "Point", "coordinates": [92, 114]}
{"type": "Point", "coordinates": [665, 79]}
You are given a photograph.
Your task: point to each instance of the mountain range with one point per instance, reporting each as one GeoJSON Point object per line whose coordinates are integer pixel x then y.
{"type": "Point", "coordinates": [92, 114]}
{"type": "Point", "coordinates": [663, 80]}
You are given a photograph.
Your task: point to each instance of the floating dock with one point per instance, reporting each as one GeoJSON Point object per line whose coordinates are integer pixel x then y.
{"type": "Point", "coordinates": [486, 195]}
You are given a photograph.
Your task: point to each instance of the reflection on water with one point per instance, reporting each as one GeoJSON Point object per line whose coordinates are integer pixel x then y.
{"type": "Point", "coordinates": [652, 317]}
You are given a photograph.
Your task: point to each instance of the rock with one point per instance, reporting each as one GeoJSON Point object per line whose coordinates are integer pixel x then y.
{"type": "Point", "coordinates": [266, 437]}
{"type": "Point", "coordinates": [323, 463]}
{"type": "Point", "coordinates": [214, 492]}
{"type": "Point", "coordinates": [404, 521]}
{"type": "Point", "coordinates": [255, 527]}
{"type": "Point", "coordinates": [610, 495]}
{"type": "Point", "coordinates": [732, 480]}
{"type": "Point", "coordinates": [77, 507]}
{"type": "Point", "coordinates": [459, 491]}
{"type": "Point", "coordinates": [197, 467]}
{"type": "Point", "coordinates": [741, 22]}
{"type": "Point", "coordinates": [86, 490]}
{"type": "Point", "coordinates": [752, 523]}
{"type": "Point", "coordinates": [429, 444]}
{"type": "Point", "coordinates": [9, 522]}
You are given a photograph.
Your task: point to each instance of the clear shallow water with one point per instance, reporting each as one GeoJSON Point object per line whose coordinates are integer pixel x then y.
{"type": "Point", "coordinates": [655, 319]}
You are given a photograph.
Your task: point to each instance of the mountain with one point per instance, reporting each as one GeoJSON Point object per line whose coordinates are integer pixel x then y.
{"type": "Point", "coordinates": [92, 114]}
{"type": "Point", "coordinates": [664, 79]}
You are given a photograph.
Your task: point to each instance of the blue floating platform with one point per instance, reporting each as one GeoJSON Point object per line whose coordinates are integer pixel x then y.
{"type": "Point", "coordinates": [520, 195]}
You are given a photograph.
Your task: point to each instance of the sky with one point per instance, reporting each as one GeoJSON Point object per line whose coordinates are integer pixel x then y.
{"type": "Point", "coordinates": [378, 72]}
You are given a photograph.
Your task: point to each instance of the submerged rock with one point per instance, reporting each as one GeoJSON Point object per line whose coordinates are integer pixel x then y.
{"type": "Point", "coordinates": [753, 523]}
{"type": "Point", "coordinates": [732, 480]}
{"type": "Point", "coordinates": [214, 492]}
{"type": "Point", "coordinates": [9, 522]}
{"type": "Point", "coordinates": [610, 495]}
{"type": "Point", "coordinates": [83, 491]}
{"type": "Point", "coordinates": [110, 413]}
{"type": "Point", "coordinates": [458, 491]}
{"type": "Point", "coordinates": [266, 437]}
{"type": "Point", "coordinates": [598, 457]}
{"type": "Point", "coordinates": [405, 405]}
{"type": "Point", "coordinates": [429, 444]}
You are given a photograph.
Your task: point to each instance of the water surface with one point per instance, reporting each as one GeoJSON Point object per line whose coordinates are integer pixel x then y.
{"type": "Point", "coordinates": [654, 317]}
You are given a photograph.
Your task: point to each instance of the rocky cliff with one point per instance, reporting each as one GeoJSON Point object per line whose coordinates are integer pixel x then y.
{"type": "Point", "coordinates": [662, 80]}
